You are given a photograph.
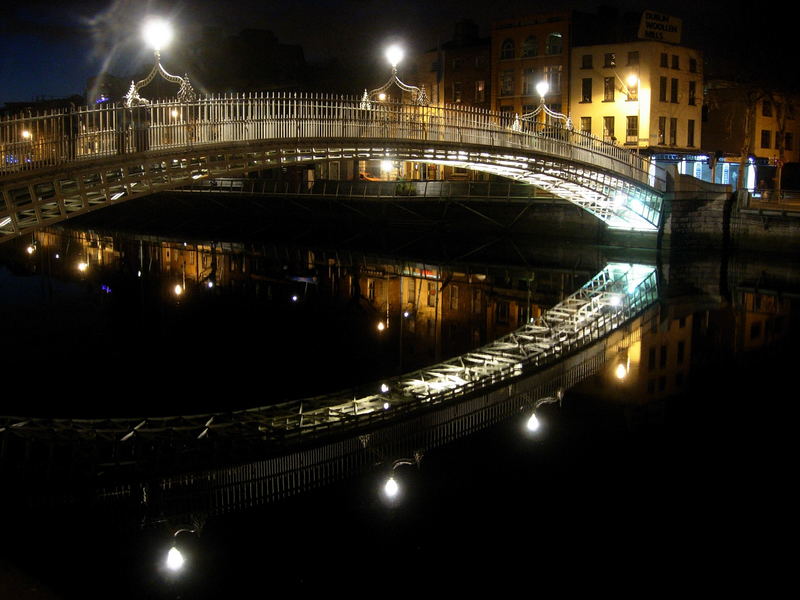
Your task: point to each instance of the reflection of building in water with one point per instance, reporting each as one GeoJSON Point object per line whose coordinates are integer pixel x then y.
{"type": "Point", "coordinates": [761, 320]}
{"type": "Point", "coordinates": [656, 365]}
{"type": "Point", "coordinates": [427, 312]}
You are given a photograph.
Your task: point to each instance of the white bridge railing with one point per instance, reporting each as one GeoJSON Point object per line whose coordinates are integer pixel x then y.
{"type": "Point", "coordinates": [32, 141]}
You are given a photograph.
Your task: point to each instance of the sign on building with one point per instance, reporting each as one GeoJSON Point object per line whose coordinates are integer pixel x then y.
{"type": "Point", "coordinates": [660, 27]}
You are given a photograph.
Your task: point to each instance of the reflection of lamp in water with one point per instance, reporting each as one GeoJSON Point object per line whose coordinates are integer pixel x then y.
{"type": "Point", "coordinates": [391, 487]}
{"type": "Point", "coordinates": [622, 366]}
{"type": "Point", "coordinates": [175, 559]}
{"type": "Point", "coordinates": [532, 424]}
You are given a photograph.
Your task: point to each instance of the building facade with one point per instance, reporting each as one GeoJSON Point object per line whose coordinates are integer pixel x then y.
{"type": "Point", "coordinates": [526, 51]}
{"type": "Point", "coordinates": [643, 95]}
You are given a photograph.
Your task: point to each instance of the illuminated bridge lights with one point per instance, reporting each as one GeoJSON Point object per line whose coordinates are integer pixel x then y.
{"type": "Point", "coordinates": [614, 295]}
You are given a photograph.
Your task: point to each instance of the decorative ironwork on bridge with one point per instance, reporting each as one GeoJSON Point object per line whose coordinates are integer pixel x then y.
{"type": "Point", "coordinates": [59, 164]}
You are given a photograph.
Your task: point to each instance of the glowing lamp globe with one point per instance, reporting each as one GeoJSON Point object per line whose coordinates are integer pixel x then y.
{"type": "Point", "coordinates": [621, 371]}
{"type": "Point", "coordinates": [542, 88]}
{"type": "Point", "coordinates": [391, 488]}
{"type": "Point", "coordinates": [175, 559]}
{"type": "Point", "coordinates": [633, 80]}
{"type": "Point", "coordinates": [157, 33]}
{"type": "Point", "coordinates": [533, 423]}
{"type": "Point", "coordinates": [394, 54]}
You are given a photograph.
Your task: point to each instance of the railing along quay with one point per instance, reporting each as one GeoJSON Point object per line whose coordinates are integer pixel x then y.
{"type": "Point", "coordinates": [60, 137]}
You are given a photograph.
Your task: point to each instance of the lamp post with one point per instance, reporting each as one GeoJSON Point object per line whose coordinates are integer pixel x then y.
{"type": "Point", "coordinates": [158, 34]}
{"type": "Point", "coordinates": [175, 559]}
{"type": "Point", "coordinates": [391, 489]}
{"type": "Point", "coordinates": [539, 115]}
{"type": "Point", "coordinates": [394, 54]}
{"type": "Point", "coordinates": [532, 423]}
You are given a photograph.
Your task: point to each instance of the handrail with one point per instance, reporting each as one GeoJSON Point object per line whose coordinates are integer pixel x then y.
{"type": "Point", "coordinates": [57, 137]}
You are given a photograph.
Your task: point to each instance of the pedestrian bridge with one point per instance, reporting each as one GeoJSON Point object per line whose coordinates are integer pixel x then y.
{"type": "Point", "coordinates": [59, 164]}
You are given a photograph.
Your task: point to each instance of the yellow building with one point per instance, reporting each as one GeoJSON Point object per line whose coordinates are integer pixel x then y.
{"type": "Point", "coordinates": [643, 94]}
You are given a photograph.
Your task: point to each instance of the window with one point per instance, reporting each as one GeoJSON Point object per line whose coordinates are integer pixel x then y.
{"type": "Point", "coordinates": [662, 130]}
{"type": "Point", "coordinates": [457, 92]}
{"type": "Point", "coordinates": [632, 130]}
{"type": "Point", "coordinates": [765, 138]}
{"type": "Point", "coordinates": [664, 60]}
{"type": "Point", "coordinates": [586, 61]}
{"type": "Point", "coordinates": [371, 289]}
{"type": "Point", "coordinates": [681, 351]}
{"type": "Point", "coordinates": [586, 125]}
{"type": "Point", "coordinates": [477, 306]}
{"type": "Point", "coordinates": [530, 48]}
{"type": "Point", "coordinates": [608, 89]}
{"type": "Point", "coordinates": [673, 131]}
{"type": "Point", "coordinates": [554, 43]}
{"type": "Point", "coordinates": [675, 61]}
{"type": "Point", "coordinates": [690, 133]}
{"type": "Point", "coordinates": [633, 90]}
{"type": "Point", "coordinates": [673, 91]}
{"type": "Point", "coordinates": [788, 142]}
{"type": "Point", "coordinates": [633, 58]}
{"type": "Point", "coordinates": [609, 60]}
{"type": "Point", "coordinates": [663, 362]}
{"type": "Point", "coordinates": [693, 65]}
{"type": "Point", "coordinates": [431, 293]}
{"type": "Point", "coordinates": [552, 74]}
{"type": "Point", "coordinates": [662, 89]}
{"type": "Point", "coordinates": [506, 83]}
{"type": "Point", "coordinates": [586, 89]}
{"type": "Point", "coordinates": [502, 312]}
{"type": "Point", "coordinates": [480, 91]}
{"type": "Point", "coordinates": [651, 359]}
{"type": "Point", "coordinates": [766, 108]}
{"type": "Point", "coordinates": [507, 49]}
{"type": "Point", "coordinates": [692, 93]}
{"type": "Point", "coordinates": [608, 129]}
{"type": "Point", "coordinates": [529, 82]}
{"type": "Point", "coordinates": [453, 297]}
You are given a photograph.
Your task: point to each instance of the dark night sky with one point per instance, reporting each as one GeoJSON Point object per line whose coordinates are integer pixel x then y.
{"type": "Point", "coordinates": [50, 49]}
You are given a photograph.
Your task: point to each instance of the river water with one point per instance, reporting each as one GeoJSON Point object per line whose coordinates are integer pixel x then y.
{"type": "Point", "coordinates": [650, 482]}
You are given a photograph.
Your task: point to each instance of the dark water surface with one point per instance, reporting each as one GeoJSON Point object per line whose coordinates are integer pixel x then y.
{"type": "Point", "coordinates": [677, 480]}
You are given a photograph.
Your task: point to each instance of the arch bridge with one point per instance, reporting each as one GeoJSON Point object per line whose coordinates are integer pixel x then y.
{"type": "Point", "coordinates": [63, 163]}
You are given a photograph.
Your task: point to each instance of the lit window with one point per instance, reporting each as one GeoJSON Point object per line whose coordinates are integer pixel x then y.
{"type": "Point", "coordinates": [608, 129]}
{"type": "Point", "coordinates": [608, 89]}
{"type": "Point", "coordinates": [632, 130]}
{"type": "Point", "coordinates": [554, 43]}
{"type": "Point", "coordinates": [610, 60]}
{"type": "Point", "coordinates": [586, 125]}
{"type": "Point", "coordinates": [480, 91]}
{"type": "Point", "coordinates": [552, 74]}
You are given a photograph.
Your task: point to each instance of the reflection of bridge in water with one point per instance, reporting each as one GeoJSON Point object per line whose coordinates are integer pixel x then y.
{"type": "Point", "coordinates": [60, 164]}
{"type": "Point", "coordinates": [291, 447]}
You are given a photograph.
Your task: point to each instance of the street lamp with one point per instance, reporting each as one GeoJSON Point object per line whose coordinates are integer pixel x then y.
{"type": "Point", "coordinates": [532, 424]}
{"type": "Point", "coordinates": [394, 54]}
{"type": "Point", "coordinates": [392, 490]}
{"type": "Point", "coordinates": [157, 34]}
{"type": "Point", "coordinates": [175, 559]}
{"type": "Point", "coordinates": [541, 112]}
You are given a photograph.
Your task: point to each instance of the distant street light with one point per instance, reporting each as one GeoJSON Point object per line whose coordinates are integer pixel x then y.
{"type": "Point", "coordinates": [541, 112]}
{"type": "Point", "coordinates": [157, 33]}
{"type": "Point", "coordinates": [175, 559]}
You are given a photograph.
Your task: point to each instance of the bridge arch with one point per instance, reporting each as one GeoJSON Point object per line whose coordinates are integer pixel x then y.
{"type": "Point", "coordinates": [58, 165]}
